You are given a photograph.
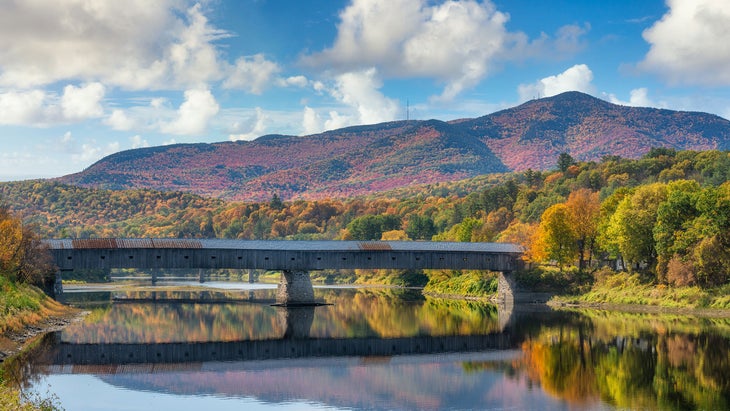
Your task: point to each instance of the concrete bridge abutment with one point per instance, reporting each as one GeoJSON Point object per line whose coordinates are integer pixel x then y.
{"type": "Point", "coordinates": [510, 292]}
{"type": "Point", "coordinates": [295, 288]}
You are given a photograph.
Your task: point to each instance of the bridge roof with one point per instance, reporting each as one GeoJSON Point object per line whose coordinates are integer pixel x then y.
{"type": "Point", "coordinates": [282, 245]}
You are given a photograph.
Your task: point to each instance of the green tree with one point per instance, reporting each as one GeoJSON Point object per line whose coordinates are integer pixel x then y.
{"type": "Point", "coordinates": [632, 224]}
{"type": "Point", "coordinates": [673, 234]}
{"type": "Point", "coordinates": [275, 203]}
{"type": "Point", "coordinates": [420, 227]}
{"type": "Point", "coordinates": [371, 227]}
{"type": "Point", "coordinates": [565, 160]}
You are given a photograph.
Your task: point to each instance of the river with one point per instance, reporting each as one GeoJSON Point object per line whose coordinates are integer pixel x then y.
{"type": "Point", "coordinates": [223, 346]}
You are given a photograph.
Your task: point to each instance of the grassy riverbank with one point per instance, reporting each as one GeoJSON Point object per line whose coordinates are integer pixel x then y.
{"type": "Point", "coordinates": [25, 311]}
{"type": "Point", "coordinates": [629, 289]}
{"type": "Point", "coordinates": [604, 287]}
{"type": "Point", "coordinates": [23, 305]}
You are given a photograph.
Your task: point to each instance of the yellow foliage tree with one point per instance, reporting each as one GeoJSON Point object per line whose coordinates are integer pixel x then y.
{"type": "Point", "coordinates": [584, 210]}
{"type": "Point", "coordinates": [556, 236]}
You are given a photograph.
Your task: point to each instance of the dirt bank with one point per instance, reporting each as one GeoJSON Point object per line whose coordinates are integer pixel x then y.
{"type": "Point", "coordinates": [12, 342]}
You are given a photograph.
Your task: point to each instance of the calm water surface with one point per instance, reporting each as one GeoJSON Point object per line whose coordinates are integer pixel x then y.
{"type": "Point", "coordinates": [224, 347]}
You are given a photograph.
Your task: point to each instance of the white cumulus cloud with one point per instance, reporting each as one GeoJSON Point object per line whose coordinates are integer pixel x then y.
{"type": "Point", "coordinates": [311, 121]}
{"type": "Point", "coordinates": [454, 42]}
{"type": "Point", "coordinates": [691, 43]}
{"type": "Point", "coordinates": [251, 129]}
{"type": "Point", "coordinates": [638, 97]}
{"type": "Point", "coordinates": [139, 142]}
{"type": "Point", "coordinates": [360, 90]}
{"type": "Point", "coordinates": [78, 103]}
{"type": "Point", "coordinates": [252, 74]}
{"type": "Point", "coordinates": [194, 113]}
{"type": "Point", "coordinates": [364, 103]}
{"type": "Point", "coordinates": [119, 120]}
{"type": "Point", "coordinates": [22, 107]}
{"type": "Point", "coordinates": [576, 78]}
{"type": "Point", "coordinates": [136, 44]}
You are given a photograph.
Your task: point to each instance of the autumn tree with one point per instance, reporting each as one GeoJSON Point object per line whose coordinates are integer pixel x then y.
{"type": "Point", "coordinates": [557, 236]}
{"type": "Point", "coordinates": [584, 208]}
{"type": "Point", "coordinates": [23, 257]}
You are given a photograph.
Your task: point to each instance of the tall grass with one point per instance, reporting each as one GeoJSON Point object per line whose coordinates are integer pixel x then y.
{"type": "Point", "coordinates": [626, 288]}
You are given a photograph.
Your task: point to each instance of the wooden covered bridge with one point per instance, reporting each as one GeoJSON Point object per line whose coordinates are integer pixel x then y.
{"type": "Point", "coordinates": [293, 258]}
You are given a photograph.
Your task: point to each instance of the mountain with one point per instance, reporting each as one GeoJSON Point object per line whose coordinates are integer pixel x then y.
{"type": "Point", "coordinates": [533, 134]}
{"type": "Point", "coordinates": [341, 163]}
{"type": "Point", "coordinates": [366, 159]}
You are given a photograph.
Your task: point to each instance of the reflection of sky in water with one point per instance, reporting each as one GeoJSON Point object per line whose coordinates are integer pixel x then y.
{"type": "Point", "coordinates": [426, 382]}
{"type": "Point", "coordinates": [228, 285]}
{"type": "Point", "coordinates": [558, 360]}
{"type": "Point", "coordinates": [87, 392]}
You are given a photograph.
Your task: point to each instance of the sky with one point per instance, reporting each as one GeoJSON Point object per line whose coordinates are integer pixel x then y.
{"type": "Point", "coordinates": [82, 79]}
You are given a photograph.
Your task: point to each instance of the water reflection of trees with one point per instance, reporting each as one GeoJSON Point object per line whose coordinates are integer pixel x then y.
{"type": "Point", "coordinates": [648, 365]}
{"type": "Point", "coordinates": [353, 313]}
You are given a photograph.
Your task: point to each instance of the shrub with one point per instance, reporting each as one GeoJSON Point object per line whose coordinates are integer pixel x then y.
{"type": "Point", "coordinates": [680, 273]}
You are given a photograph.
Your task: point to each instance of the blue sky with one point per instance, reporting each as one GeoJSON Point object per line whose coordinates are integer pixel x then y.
{"type": "Point", "coordinates": [83, 79]}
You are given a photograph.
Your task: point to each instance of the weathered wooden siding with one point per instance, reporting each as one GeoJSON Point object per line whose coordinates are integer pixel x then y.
{"type": "Point", "coordinates": [278, 259]}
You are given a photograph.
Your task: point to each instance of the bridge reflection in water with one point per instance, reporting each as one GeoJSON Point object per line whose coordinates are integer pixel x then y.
{"type": "Point", "coordinates": [294, 343]}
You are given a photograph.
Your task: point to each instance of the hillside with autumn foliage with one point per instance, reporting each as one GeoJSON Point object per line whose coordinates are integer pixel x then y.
{"type": "Point", "coordinates": [665, 215]}
{"type": "Point", "coordinates": [370, 159]}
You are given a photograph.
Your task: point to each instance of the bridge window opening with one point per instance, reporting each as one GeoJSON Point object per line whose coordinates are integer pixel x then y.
{"type": "Point", "coordinates": [292, 258]}
{"type": "Point", "coordinates": [370, 258]}
{"type": "Point", "coordinates": [441, 259]}
{"type": "Point", "coordinates": [69, 258]}
{"type": "Point", "coordinates": [186, 257]}
{"type": "Point", "coordinates": [392, 258]}
{"type": "Point", "coordinates": [240, 258]}
{"type": "Point", "coordinates": [212, 257]}
{"type": "Point", "coordinates": [344, 258]}
{"type": "Point", "coordinates": [159, 257]}
{"type": "Point", "coordinates": [131, 257]}
{"type": "Point", "coordinates": [103, 257]}
{"type": "Point", "coordinates": [266, 258]}
{"type": "Point", "coordinates": [319, 258]}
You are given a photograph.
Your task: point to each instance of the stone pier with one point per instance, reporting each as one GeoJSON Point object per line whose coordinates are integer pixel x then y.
{"type": "Point", "coordinates": [510, 293]}
{"type": "Point", "coordinates": [295, 288]}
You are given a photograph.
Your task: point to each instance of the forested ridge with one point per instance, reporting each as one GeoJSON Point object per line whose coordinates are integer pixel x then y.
{"type": "Point", "coordinates": [666, 214]}
{"type": "Point", "coordinates": [370, 159]}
